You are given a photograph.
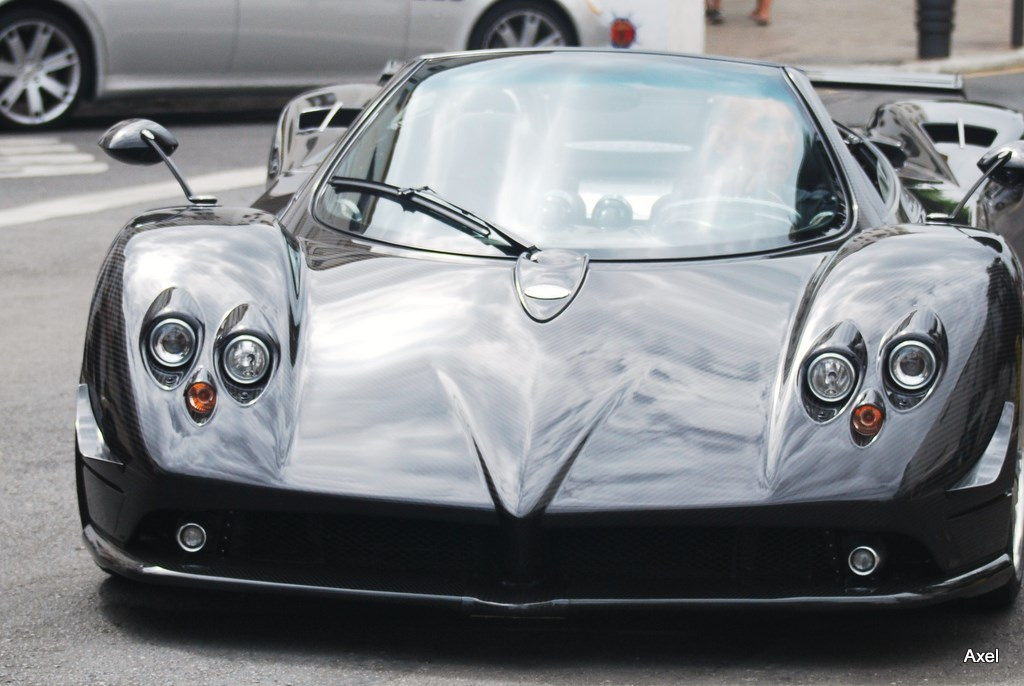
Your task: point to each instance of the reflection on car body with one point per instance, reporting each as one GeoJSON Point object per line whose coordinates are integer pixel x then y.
{"type": "Point", "coordinates": [543, 154]}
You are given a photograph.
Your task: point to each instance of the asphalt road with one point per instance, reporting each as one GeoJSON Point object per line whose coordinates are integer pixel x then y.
{"type": "Point", "coordinates": [62, 621]}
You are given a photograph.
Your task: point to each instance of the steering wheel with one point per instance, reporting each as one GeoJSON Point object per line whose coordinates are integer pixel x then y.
{"type": "Point", "coordinates": [721, 213]}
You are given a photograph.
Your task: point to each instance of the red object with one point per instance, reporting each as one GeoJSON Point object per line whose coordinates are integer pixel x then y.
{"type": "Point", "coordinates": [867, 420]}
{"type": "Point", "coordinates": [623, 33]}
{"type": "Point", "coordinates": [201, 397]}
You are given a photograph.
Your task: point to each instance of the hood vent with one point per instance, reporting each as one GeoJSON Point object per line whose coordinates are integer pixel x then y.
{"type": "Point", "coordinates": [547, 281]}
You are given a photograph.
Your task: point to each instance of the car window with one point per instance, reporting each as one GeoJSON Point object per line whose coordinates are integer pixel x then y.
{"type": "Point", "coordinates": [877, 168]}
{"type": "Point", "coordinates": [621, 156]}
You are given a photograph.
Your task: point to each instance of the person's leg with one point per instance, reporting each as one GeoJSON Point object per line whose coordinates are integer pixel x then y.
{"type": "Point", "coordinates": [763, 13]}
{"type": "Point", "coordinates": [713, 11]}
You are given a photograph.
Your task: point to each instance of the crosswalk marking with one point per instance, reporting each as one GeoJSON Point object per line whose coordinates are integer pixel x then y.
{"type": "Point", "coordinates": [38, 156]}
{"type": "Point", "coordinates": [23, 141]}
{"type": "Point", "coordinates": [37, 149]}
{"type": "Point", "coordinates": [77, 205]}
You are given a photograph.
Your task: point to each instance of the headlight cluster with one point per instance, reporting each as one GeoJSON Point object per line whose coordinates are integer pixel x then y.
{"type": "Point", "coordinates": [911, 365]}
{"type": "Point", "coordinates": [841, 376]}
{"type": "Point", "coordinates": [241, 357]}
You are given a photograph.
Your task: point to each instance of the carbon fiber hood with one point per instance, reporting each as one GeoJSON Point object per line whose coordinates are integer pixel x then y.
{"type": "Point", "coordinates": [406, 377]}
{"type": "Point", "coordinates": [427, 380]}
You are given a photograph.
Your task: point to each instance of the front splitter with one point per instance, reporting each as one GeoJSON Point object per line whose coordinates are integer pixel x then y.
{"type": "Point", "coordinates": [978, 581]}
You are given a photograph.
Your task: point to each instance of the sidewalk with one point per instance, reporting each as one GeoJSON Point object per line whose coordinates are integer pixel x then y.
{"type": "Point", "coordinates": [865, 33]}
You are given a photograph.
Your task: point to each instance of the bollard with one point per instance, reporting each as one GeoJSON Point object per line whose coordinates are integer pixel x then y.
{"type": "Point", "coordinates": [934, 28]}
{"type": "Point", "coordinates": [1017, 24]}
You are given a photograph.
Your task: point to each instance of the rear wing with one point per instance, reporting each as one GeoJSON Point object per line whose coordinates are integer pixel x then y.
{"type": "Point", "coordinates": [852, 95]}
{"type": "Point", "coordinates": [942, 85]}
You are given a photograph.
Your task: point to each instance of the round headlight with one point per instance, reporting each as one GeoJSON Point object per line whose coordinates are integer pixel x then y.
{"type": "Point", "coordinates": [172, 342]}
{"type": "Point", "coordinates": [831, 377]}
{"type": "Point", "coordinates": [912, 365]}
{"type": "Point", "coordinates": [246, 359]}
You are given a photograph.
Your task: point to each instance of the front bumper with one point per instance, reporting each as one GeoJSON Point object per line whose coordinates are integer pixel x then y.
{"type": "Point", "coordinates": [934, 548]}
{"type": "Point", "coordinates": [980, 580]}
{"type": "Point", "coordinates": [937, 546]}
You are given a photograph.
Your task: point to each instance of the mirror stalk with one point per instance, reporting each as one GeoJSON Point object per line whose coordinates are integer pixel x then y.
{"type": "Point", "coordinates": [1004, 165]}
{"type": "Point", "coordinates": [150, 139]}
{"type": "Point", "coordinates": [998, 162]}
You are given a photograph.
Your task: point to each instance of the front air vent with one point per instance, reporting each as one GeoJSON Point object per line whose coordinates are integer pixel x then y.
{"type": "Point", "coordinates": [344, 117]}
{"type": "Point", "coordinates": [312, 120]}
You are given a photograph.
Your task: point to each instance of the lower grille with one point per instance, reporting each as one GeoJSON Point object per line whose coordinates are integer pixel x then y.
{"type": "Point", "coordinates": [695, 556]}
{"type": "Point", "coordinates": [452, 558]}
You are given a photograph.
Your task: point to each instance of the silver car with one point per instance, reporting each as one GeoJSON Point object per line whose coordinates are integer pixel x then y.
{"type": "Point", "coordinates": [56, 53]}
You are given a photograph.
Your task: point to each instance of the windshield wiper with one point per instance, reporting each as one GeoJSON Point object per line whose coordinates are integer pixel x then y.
{"type": "Point", "coordinates": [426, 199]}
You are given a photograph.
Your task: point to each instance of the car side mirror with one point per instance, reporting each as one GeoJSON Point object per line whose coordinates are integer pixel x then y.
{"type": "Point", "coordinates": [144, 142]}
{"type": "Point", "coordinates": [126, 142]}
{"type": "Point", "coordinates": [1005, 164]}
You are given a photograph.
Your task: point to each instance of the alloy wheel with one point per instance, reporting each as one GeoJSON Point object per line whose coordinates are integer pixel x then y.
{"type": "Point", "coordinates": [524, 29]}
{"type": "Point", "coordinates": [40, 72]}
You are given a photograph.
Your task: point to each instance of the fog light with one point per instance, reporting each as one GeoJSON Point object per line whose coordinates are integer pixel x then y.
{"type": "Point", "coordinates": [863, 560]}
{"type": "Point", "coordinates": [191, 537]}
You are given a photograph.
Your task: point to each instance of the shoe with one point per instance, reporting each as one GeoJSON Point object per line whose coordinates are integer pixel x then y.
{"type": "Point", "coordinates": [714, 17]}
{"type": "Point", "coordinates": [760, 21]}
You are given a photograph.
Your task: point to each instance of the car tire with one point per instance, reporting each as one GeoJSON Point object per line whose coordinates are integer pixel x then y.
{"type": "Point", "coordinates": [40, 90]}
{"type": "Point", "coordinates": [522, 24]}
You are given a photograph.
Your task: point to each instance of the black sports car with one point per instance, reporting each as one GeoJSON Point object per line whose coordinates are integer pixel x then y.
{"type": "Point", "coordinates": [526, 331]}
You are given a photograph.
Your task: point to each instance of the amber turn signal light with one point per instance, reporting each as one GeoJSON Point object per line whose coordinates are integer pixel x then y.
{"type": "Point", "coordinates": [867, 420]}
{"type": "Point", "coordinates": [201, 397]}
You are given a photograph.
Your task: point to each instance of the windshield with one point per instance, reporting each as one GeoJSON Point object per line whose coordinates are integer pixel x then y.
{"type": "Point", "coordinates": [618, 155]}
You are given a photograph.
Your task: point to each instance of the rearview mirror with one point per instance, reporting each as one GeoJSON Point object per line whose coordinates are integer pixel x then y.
{"type": "Point", "coordinates": [1005, 164]}
{"type": "Point", "coordinates": [141, 141]}
{"type": "Point", "coordinates": [126, 142]}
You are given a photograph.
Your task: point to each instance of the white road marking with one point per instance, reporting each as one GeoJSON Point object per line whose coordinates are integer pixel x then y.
{"type": "Point", "coordinates": [32, 156]}
{"type": "Point", "coordinates": [26, 170]}
{"type": "Point", "coordinates": [21, 141]}
{"type": "Point", "coordinates": [74, 205]}
{"type": "Point", "coordinates": [48, 159]}
{"type": "Point", "coordinates": [29, 148]}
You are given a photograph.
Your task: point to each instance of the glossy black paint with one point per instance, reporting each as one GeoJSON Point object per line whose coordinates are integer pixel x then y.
{"type": "Point", "coordinates": [943, 141]}
{"type": "Point", "coordinates": [127, 142]}
{"type": "Point", "coordinates": [311, 124]}
{"type": "Point", "coordinates": [412, 388]}
{"type": "Point", "coordinates": [1005, 164]}
{"type": "Point", "coordinates": [144, 142]}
